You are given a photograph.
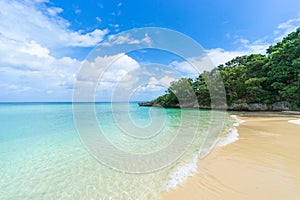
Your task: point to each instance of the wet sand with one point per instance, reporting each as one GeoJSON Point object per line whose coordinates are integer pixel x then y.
{"type": "Point", "coordinates": [263, 164]}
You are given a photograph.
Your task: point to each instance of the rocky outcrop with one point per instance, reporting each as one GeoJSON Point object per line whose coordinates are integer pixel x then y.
{"type": "Point", "coordinates": [278, 106]}
{"type": "Point", "coordinates": [258, 107]}
{"type": "Point", "coordinates": [249, 107]}
{"type": "Point", "coordinates": [145, 104]}
{"type": "Point", "coordinates": [238, 107]}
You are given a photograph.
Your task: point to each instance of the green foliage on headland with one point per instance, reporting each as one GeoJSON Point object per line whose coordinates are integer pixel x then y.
{"type": "Point", "coordinates": [249, 79]}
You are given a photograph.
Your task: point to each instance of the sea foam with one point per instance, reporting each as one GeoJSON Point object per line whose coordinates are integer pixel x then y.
{"type": "Point", "coordinates": [232, 135]}
{"type": "Point", "coordinates": [181, 175]}
{"type": "Point", "coordinates": [295, 121]}
{"type": "Point", "coordinates": [189, 169]}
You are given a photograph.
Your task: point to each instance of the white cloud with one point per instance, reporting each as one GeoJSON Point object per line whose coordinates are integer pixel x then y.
{"type": "Point", "coordinates": [30, 33]}
{"type": "Point", "coordinates": [30, 56]}
{"type": "Point", "coordinates": [220, 56]}
{"type": "Point", "coordinates": [150, 88]}
{"type": "Point", "coordinates": [106, 74]}
{"type": "Point", "coordinates": [125, 39]}
{"type": "Point", "coordinates": [154, 87]}
{"type": "Point", "coordinates": [28, 67]}
{"type": "Point", "coordinates": [287, 27]}
{"type": "Point", "coordinates": [41, 1]}
{"type": "Point", "coordinates": [217, 56]}
{"type": "Point", "coordinates": [114, 25]}
{"type": "Point", "coordinates": [99, 20]}
{"type": "Point", "coordinates": [86, 40]}
{"type": "Point", "coordinates": [119, 77]}
{"type": "Point", "coordinates": [256, 47]}
{"type": "Point", "coordinates": [77, 11]}
{"type": "Point", "coordinates": [45, 27]}
{"type": "Point", "coordinates": [108, 68]}
{"type": "Point", "coordinates": [118, 13]}
{"type": "Point", "coordinates": [165, 81]}
{"type": "Point", "coordinates": [16, 88]}
{"type": "Point", "coordinates": [53, 11]}
{"type": "Point", "coordinates": [184, 67]}
{"type": "Point", "coordinates": [193, 66]}
{"type": "Point", "coordinates": [34, 49]}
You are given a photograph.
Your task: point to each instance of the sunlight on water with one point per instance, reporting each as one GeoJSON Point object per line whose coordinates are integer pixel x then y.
{"type": "Point", "coordinates": [42, 156]}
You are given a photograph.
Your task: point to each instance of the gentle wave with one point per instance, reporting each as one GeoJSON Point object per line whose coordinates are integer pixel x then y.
{"type": "Point", "coordinates": [232, 134]}
{"type": "Point", "coordinates": [45, 147]}
{"type": "Point", "coordinates": [182, 174]}
{"type": "Point", "coordinates": [189, 169]}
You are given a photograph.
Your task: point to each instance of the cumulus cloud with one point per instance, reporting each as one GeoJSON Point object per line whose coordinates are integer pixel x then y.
{"type": "Point", "coordinates": [28, 68]}
{"type": "Point", "coordinates": [153, 87]}
{"type": "Point", "coordinates": [44, 26]}
{"type": "Point", "coordinates": [165, 81]}
{"type": "Point", "coordinates": [157, 84]}
{"type": "Point", "coordinates": [119, 78]}
{"type": "Point", "coordinates": [107, 68]}
{"type": "Point", "coordinates": [34, 84]}
{"type": "Point", "coordinates": [103, 75]}
{"type": "Point", "coordinates": [221, 56]}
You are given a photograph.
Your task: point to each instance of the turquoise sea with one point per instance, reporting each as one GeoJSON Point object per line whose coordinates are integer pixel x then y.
{"type": "Point", "coordinates": [42, 156]}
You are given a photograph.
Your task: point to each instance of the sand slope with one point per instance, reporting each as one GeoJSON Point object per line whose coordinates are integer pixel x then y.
{"type": "Point", "coordinates": [263, 164]}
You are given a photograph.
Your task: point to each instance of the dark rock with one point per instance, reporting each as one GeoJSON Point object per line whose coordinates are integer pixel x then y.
{"type": "Point", "coordinates": [257, 107]}
{"type": "Point", "coordinates": [239, 107]}
{"type": "Point", "coordinates": [189, 105]}
{"type": "Point", "coordinates": [219, 107]}
{"type": "Point", "coordinates": [145, 104]}
{"type": "Point", "coordinates": [280, 106]}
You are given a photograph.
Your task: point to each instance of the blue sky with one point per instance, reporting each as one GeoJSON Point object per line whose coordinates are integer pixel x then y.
{"type": "Point", "coordinates": [43, 42]}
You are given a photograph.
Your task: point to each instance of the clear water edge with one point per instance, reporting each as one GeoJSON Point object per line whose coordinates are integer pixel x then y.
{"type": "Point", "coordinates": [43, 158]}
{"type": "Point", "coordinates": [228, 136]}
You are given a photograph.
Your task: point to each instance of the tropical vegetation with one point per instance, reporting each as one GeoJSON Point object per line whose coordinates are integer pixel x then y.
{"type": "Point", "coordinates": [248, 79]}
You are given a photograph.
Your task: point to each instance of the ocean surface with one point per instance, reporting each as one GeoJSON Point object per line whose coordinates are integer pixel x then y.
{"type": "Point", "coordinates": [44, 154]}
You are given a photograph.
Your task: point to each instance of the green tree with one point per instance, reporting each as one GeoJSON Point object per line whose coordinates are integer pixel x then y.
{"type": "Point", "coordinates": [251, 78]}
{"type": "Point", "coordinates": [284, 68]}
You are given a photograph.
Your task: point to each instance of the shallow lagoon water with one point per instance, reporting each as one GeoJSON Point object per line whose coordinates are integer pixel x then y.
{"type": "Point", "coordinates": [42, 156]}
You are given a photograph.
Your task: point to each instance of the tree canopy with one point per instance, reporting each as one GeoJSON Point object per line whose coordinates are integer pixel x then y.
{"type": "Point", "coordinates": [254, 78]}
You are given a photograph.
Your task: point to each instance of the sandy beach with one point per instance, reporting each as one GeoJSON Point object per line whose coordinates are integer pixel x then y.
{"type": "Point", "coordinates": [263, 164]}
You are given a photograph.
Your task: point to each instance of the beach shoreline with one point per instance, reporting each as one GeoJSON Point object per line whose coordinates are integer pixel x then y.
{"type": "Point", "coordinates": [262, 164]}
